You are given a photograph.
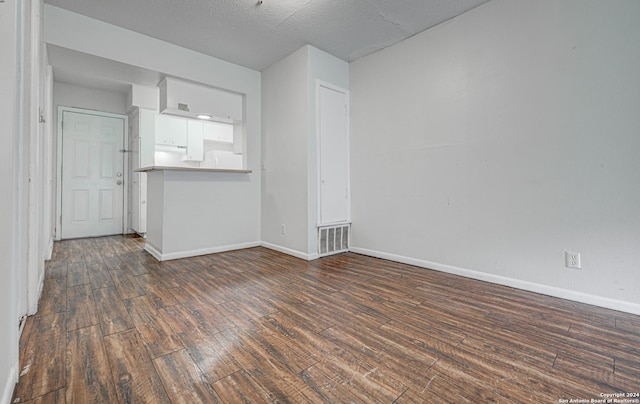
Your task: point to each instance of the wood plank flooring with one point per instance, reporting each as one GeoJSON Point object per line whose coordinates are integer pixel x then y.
{"type": "Point", "coordinates": [115, 325]}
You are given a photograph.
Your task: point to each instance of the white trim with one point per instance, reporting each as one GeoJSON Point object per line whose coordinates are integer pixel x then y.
{"type": "Point", "coordinates": [320, 83]}
{"type": "Point", "coordinates": [40, 288]}
{"type": "Point", "coordinates": [153, 251]}
{"type": "Point", "coordinates": [213, 250]}
{"type": "Point", "coordinates": [48, 176]}
{"type": "Point", "coordinates": [289, 251]}
{"type": "Point", "coordinates": [49, 251]}
{"type": "Point", "coordinates": [34, 299]}
{"type": "Point", "coordinates": [36, 133]}
{"type": "Point", "coordinates": [10, 384]}
{"type": "Point", "coordinates": [600, 301]}
{"type": "Point", "coordinates": [16, 123]}
{"type": "Point", "coordinates": [125, 165]}
{"type": "Point", "coordinates": [194, 253]}
{"type": "Point", "coordinates": [58, 229]}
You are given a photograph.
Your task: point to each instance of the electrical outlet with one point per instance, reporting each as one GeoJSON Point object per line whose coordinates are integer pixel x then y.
{"type": "Point", "coordinates": [572, 260]}
{"type": "Point", "coordinates": [282, 229]}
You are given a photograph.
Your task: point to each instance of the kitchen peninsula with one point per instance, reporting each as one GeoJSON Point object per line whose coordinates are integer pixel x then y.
{"type": "Point", "coordinates": [196, 211]}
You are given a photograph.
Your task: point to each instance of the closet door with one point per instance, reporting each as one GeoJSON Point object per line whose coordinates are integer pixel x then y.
{"type": "Point", "coordinates": [333, 149]}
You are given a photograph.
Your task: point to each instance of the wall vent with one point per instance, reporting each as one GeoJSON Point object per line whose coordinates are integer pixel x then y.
{"type": "Point", "coordinates": [333, 239]}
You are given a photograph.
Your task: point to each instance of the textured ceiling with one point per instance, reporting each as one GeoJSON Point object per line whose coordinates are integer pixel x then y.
{"type": "Point", "coordinates": [256, 36]}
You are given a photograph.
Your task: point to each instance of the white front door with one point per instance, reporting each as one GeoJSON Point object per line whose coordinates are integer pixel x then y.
{"type": "Point", "coordinates": [92, 175]}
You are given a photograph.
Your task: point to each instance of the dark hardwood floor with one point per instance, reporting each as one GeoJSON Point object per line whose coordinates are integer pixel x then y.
{"type": "Point", "coordinates": [115, 325]}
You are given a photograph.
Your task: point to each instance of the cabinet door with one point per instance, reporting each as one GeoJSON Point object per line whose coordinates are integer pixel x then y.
{"type": "Point", "coordinates": [171, 131]}
{"type": "Point", "coordinates": [195, 144]}
{"type": "Point", "coordinates": [219, 132]}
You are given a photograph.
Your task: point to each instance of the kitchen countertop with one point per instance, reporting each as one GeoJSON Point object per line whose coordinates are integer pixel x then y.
{"type": "Point", "coordinates": [212, 170]}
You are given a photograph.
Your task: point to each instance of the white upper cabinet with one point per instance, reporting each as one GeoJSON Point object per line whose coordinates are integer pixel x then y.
{"type": "Point", "coordinates": [171, 131]}
{"type": "Point", "coordinates": [183, 98]}
{"type": "Point", "coordinates": [219, 132]}
{"type": "Point", "coordinates": [195, 144]}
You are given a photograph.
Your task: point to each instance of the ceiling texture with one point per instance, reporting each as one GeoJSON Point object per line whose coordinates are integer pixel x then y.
{"type": "Point", "coordinates": [257, 34]}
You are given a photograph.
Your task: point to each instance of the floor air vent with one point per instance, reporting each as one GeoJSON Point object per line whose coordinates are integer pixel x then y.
{"type": "Point", "coordinates": [333, 239]}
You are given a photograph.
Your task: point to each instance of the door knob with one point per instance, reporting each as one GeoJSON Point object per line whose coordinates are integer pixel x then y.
{"type": "Point", "coordinates": [119, 182]}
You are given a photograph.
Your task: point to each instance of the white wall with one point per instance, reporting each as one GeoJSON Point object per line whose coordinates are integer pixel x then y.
{"type": "Point", "coordinates": [491, 143]}
{"type": "Point", "coordinates": [289, 148]}
{"type": "Point", "coordinates": [83, 34]}
{"type": "Point", "coordinates": [143, 97]}
{"type": "Point", "coordinates": [284, 154]}
{"type": "Point", "coordinates": [10, 117]}
{"type": "Point", "coordinates": [71, 95]}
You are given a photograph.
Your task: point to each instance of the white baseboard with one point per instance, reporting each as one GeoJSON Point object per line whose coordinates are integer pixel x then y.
{"type": "Point", "coordinates": [153, 251]}
{"type": "Point", "coordinates": [49, 252]}
{"type": "Point", "coordinates": [32, 306]}
{"type": "Point", "coordinates": [40, 289]}
{"type": "Point", "coordinates": [600, 301]}
{"type": "Point", "coordinates": [289, 251]}
{"type": "Point", "coordinates": [194, 253]}
{"type": "Point", "coordinates": [10, 385]}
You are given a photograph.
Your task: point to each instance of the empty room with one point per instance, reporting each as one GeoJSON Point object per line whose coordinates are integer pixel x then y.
{"type": "Point", "coordinates": [310, 201]}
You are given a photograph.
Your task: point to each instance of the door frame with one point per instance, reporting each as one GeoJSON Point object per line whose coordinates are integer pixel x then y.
{"type": "Point", "coordinates": [329, 86]}
{"type": "Point", "coordinates": [125, 163]}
